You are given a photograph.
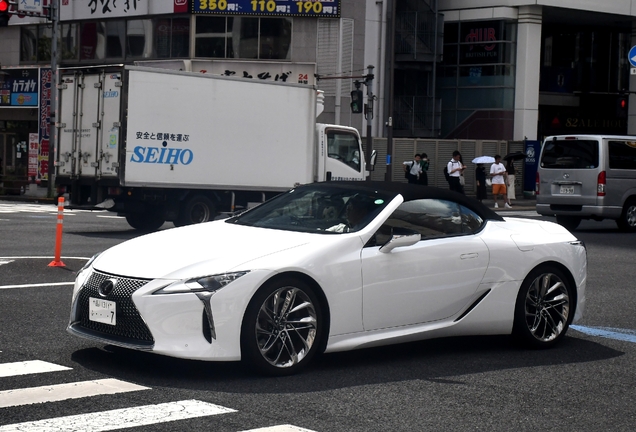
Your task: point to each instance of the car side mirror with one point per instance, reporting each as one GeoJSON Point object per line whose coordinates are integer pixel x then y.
{"type": "Point", "coordinates": [401, 237]}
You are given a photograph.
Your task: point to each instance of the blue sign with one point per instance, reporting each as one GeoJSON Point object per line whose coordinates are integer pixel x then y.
{"type": "Point", "coordinates": [632, 56]}
{"type": "Point", "coordinates": [307, 8]}
{"type": "Point", "coordinates": [20, 87]}
{"type": "Point", "coordinates": [533, 149]}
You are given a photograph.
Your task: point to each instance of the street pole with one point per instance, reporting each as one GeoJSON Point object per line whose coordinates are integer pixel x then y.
{"type": "Point", "coordinates": [388, 176]}
{"type": "Point", "coordinates": [369, 116]}
{"type": "Point", "coordinates": [54, 16]}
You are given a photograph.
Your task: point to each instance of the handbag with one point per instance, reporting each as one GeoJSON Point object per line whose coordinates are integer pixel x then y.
{"type": "Point", "coordinates": [488, 182]}
{"type": "Point", "coordinates": [462, 180]}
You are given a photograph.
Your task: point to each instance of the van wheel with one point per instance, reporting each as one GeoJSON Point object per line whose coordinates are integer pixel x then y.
{"type": "Point", "coordinates": [627, 221]}
{"type": "Point", "coordinates": [196, 210]}
{"type": "Point", "coordinates": [569, 222]}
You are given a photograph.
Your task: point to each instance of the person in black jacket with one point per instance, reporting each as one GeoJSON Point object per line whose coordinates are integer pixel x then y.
{"type": "Point", "coordinates": [480, 177]}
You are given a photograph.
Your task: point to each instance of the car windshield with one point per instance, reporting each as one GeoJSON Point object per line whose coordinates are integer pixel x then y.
{"type": "Point", "coordinates": [317, 209]}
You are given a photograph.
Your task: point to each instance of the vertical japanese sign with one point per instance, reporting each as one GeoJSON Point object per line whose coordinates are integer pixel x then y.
{"type": "Point", "coordinates": [34, 149]}
{"type": "Point", "coordinates": [44, 123]}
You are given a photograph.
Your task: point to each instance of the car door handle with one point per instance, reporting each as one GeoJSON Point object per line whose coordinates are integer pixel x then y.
{"type": "Point", "coordinates": [469, 255]}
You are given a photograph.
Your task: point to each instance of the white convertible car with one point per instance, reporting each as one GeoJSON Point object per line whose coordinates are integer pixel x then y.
{"type": "Point", "coordinates": [331, 267]}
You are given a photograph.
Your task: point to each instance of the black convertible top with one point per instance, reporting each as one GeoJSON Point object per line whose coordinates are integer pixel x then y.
{"type": "Point", "coordinates": [412, 192]}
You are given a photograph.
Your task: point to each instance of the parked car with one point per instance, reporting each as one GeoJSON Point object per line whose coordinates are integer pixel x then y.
{"type": "Point", "coordinates": [331, 267]}
{"type": "Point", "coordinates": [588, 177]}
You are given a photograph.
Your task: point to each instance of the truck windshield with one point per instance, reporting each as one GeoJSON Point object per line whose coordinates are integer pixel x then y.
{"type": "Point", "coordinates": [323, 210]}
{"type": "Point", "coordinates": [344, 147]}
{"type": "Point", "coordinates": [570, 154]}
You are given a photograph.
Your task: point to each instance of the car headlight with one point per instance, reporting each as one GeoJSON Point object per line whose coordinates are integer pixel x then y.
{"type": "Point", "coordinates": [201, 284]}
{"type": "Point", "coordinates": [89, 262]}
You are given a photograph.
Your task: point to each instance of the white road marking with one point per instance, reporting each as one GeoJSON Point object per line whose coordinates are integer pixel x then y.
{"type": "Point", "coordinates": [123, 418]}
{"type": "Point", "coordinates": [281, 428]}
{"type": "Point", "coordinates": [43, 257]}
{"type": "Point", "coordinates": [60, 392]}
{"type": "Point", "coordinates": [29, 367]}
{"type": "Point", "coordinates": [36, 285]}
{"type": "Point", "coordinates": [3, 261]}
{"type": "Point", "coordinates": [527, 213]}
{"type": "Point", "coordinates": [111, 217]}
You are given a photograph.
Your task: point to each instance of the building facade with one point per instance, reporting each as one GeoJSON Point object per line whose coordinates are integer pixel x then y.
{"type": "Point", "coordinates": [444, 69]}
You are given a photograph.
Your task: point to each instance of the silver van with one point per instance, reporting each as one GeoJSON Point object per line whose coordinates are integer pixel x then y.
{"type": "Point", "coordinates": [588, 177]}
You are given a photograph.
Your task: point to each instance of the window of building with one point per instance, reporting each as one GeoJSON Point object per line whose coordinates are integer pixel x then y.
{"type": "Point", "coordinates": [478, 71]}
{"type": "Point", "coordinates": [111, 40]}
{"type": "Point", "coordinates": [243, 37]}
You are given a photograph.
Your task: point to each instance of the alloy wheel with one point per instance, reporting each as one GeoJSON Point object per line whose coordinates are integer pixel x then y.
{"type": "Point", "coordinates": [547, 307]}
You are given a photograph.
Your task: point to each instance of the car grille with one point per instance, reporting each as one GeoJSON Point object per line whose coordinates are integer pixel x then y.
{"type": "Point", "coordinates": [130, 327]}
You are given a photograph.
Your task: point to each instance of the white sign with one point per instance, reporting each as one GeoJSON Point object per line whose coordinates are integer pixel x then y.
{"type": "Point", "coordinates": [633, 71]}
{"type": "Point", "coordinates": [33, 6]}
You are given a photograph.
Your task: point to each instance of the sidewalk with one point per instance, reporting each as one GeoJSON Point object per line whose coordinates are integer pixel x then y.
{"type": "Point", "coordinates": [522, 204]}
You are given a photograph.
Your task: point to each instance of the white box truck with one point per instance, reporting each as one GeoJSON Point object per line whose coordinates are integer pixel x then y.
{"type": "Point", "coordinates": [159, 145]}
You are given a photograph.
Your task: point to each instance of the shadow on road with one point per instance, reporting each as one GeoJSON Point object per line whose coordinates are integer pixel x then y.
{"type": "Point", "coordinates": [441, 361]}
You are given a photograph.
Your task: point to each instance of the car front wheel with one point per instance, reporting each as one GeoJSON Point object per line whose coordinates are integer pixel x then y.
{"type": "Point", "coordinates": [282, 328]}
{"type": "Point", "coordinates": [543, 311]}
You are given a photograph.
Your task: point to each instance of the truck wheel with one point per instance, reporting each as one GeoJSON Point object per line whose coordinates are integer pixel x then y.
{"type": "Point", "coordinates": [196, 210]}
{"type": "Point", "coordinates": [146, 221]}
{"type": "Point", "coordinates": [627, 221]}
{"type": "Point", "coordinates": [568, 222]}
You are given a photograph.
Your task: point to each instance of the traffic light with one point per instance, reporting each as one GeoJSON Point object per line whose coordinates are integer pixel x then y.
{"type": "Point", "coordinates": [356, 101]}
{"type": "Point", "coordinates": [4, 13]}
{"type": "Point", "coordinates": [622, 106]}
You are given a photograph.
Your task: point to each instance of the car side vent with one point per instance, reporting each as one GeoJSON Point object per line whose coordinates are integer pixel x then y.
{"type": "Point", "coordinates": [473, 306]}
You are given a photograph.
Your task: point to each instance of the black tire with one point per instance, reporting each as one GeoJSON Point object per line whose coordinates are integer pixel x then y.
{"type": "Point", "coordinates": [627, 221]}
{"type": "Point", "coordinates": [197, 209]}
{"type": "Point", "coordinates": [544, 308]}
{"type": "Point", "coordinates": [569, 222]}
{"type": "Point", "coordinates": [146, 221]}
{"type": "Point", "coordinates": [276, 343]}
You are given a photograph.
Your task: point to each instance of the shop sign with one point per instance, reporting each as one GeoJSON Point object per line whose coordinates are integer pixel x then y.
{"type": "Point", "coordinates": [44, 123]}
{"type": "Point", "coordinates": [479, 42]}
{"type": "Point", "coordinates": [310, 8]}
{"type": "Point", "coordinates": [98, 9]}
{"type": "Point", "coordinates": [34, 148]}
{"type": "Point", "coordinates": [20, 88]}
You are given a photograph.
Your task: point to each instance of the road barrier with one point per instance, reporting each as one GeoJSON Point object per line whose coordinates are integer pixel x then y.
{"type": "Point", "coordinates": [58, 237]}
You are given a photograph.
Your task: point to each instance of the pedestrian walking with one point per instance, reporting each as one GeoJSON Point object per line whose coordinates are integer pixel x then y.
{"type": "Point", "coordinates": [480, 178]}
{"type": "Point", "coordinates": [413, 169]}
{"type": "Point", "coordinates": [424, 164]}
{"type": "Point", "coordinates": [510, 170]}
{"type": "Point", "coordinates": [455, 170]}
{"type": "Point", "coordinates": [498, 175]}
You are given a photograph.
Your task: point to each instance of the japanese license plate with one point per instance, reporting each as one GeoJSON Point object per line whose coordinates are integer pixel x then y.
{"type": "Point", "coordinates": [102, 311]}
{"type": "Point", "coordinates": [567, 189]}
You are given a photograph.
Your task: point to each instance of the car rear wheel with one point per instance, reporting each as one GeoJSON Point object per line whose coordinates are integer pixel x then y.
{"type": "Point", "coordinates": [569, 222]}
{"type": "Point", "coordinates": [543, 311]}
{"type": "Point", "coordinates": [282, 328]}
{"type": "Point", "coordinates": [627, 221]}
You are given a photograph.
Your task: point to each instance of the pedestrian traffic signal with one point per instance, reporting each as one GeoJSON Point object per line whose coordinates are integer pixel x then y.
{"type": "Point", "coordinates": [356, 101]}
{"type": "Point", "coordinates": [4, 13]}
{"type": "Point", "coordinates": [621, 107]}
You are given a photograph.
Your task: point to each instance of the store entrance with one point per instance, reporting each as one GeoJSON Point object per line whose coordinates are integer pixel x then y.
{"type": "Point", "coordinates": [13, 175]}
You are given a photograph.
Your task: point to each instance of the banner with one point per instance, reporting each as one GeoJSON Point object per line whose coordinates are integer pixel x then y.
{"type": "Point", "coordinates": [44, 123]}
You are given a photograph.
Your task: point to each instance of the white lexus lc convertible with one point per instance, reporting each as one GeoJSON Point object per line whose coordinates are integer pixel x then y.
{"type": "Point", "coordinates": [332, 267]}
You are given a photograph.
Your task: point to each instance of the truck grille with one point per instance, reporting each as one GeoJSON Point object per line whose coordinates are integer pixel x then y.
{"type": "Point", "coordinates": [130, 327]}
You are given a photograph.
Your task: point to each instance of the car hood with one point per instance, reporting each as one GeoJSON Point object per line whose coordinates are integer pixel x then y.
{"type": "Point", "coordinates": [185, 252]}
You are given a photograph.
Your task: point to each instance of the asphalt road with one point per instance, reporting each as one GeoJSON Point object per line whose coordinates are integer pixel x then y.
{"type": "Point", "coordinates": [483, 383]}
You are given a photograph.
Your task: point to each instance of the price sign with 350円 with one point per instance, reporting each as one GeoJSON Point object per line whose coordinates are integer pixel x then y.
{"type": "Point", "coordinates": [308, 8]}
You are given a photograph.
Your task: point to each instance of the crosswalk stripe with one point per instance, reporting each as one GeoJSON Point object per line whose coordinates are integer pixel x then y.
{"type": "Point", "coordinates": [60, 392]}
{"type": "Point", "coordinates": [281, 428]}
{"type": "Point", "coordinates": [123, 418]}
{"type": "Point", "coordinates": [29, 367]}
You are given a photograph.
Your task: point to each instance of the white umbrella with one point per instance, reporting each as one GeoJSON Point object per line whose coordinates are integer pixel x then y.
{"type": "Point", "coordinates": [484, 160]}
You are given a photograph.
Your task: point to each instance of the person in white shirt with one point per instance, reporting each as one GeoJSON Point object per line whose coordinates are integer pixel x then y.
{"type": "Point", "coordinates": [413, 169]}
{"type": "Point", "coordinates": [455, 169]}
{"type": "Point", "coordinates": [498, 175]}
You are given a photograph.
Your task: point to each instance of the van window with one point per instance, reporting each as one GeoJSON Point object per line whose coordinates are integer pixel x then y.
{"type": "Point", "coordinates": [570, 154]}
{"type": "Point", "coordinates": [622, 155]}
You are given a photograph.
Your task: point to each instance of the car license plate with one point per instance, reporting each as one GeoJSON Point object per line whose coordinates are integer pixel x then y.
{"type": "Point", "coordinates": [102, 311]}
{"type": "Point", "coordinates": [567, 189]}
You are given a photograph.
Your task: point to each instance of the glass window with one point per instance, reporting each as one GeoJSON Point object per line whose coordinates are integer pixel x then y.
{"type": "Point", "coordinates": [211, 37]}
{"type": "Point", "coordinates": [622, 155]}
{"type": "Point", "coordinates": [344, 147]}
{"type": "Point", "coordinates": [69, 43]}
{"type": "Point", "coordinates": [92, 40]}
{"type": "Point", "coordinates": [570, 154]}
{"type": "Point", "coordinates": [242, 37]}
{"type": "Point", "coordinates": [28, 43]}
{"type": "Point", "coordinates": [139, 39]}
{"type": "Point", "coordinates": [432, 218]}
{"type": "Point", "coordinates": [45, 39]}
{"type": "Point", "coordinates": [180, 37]}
